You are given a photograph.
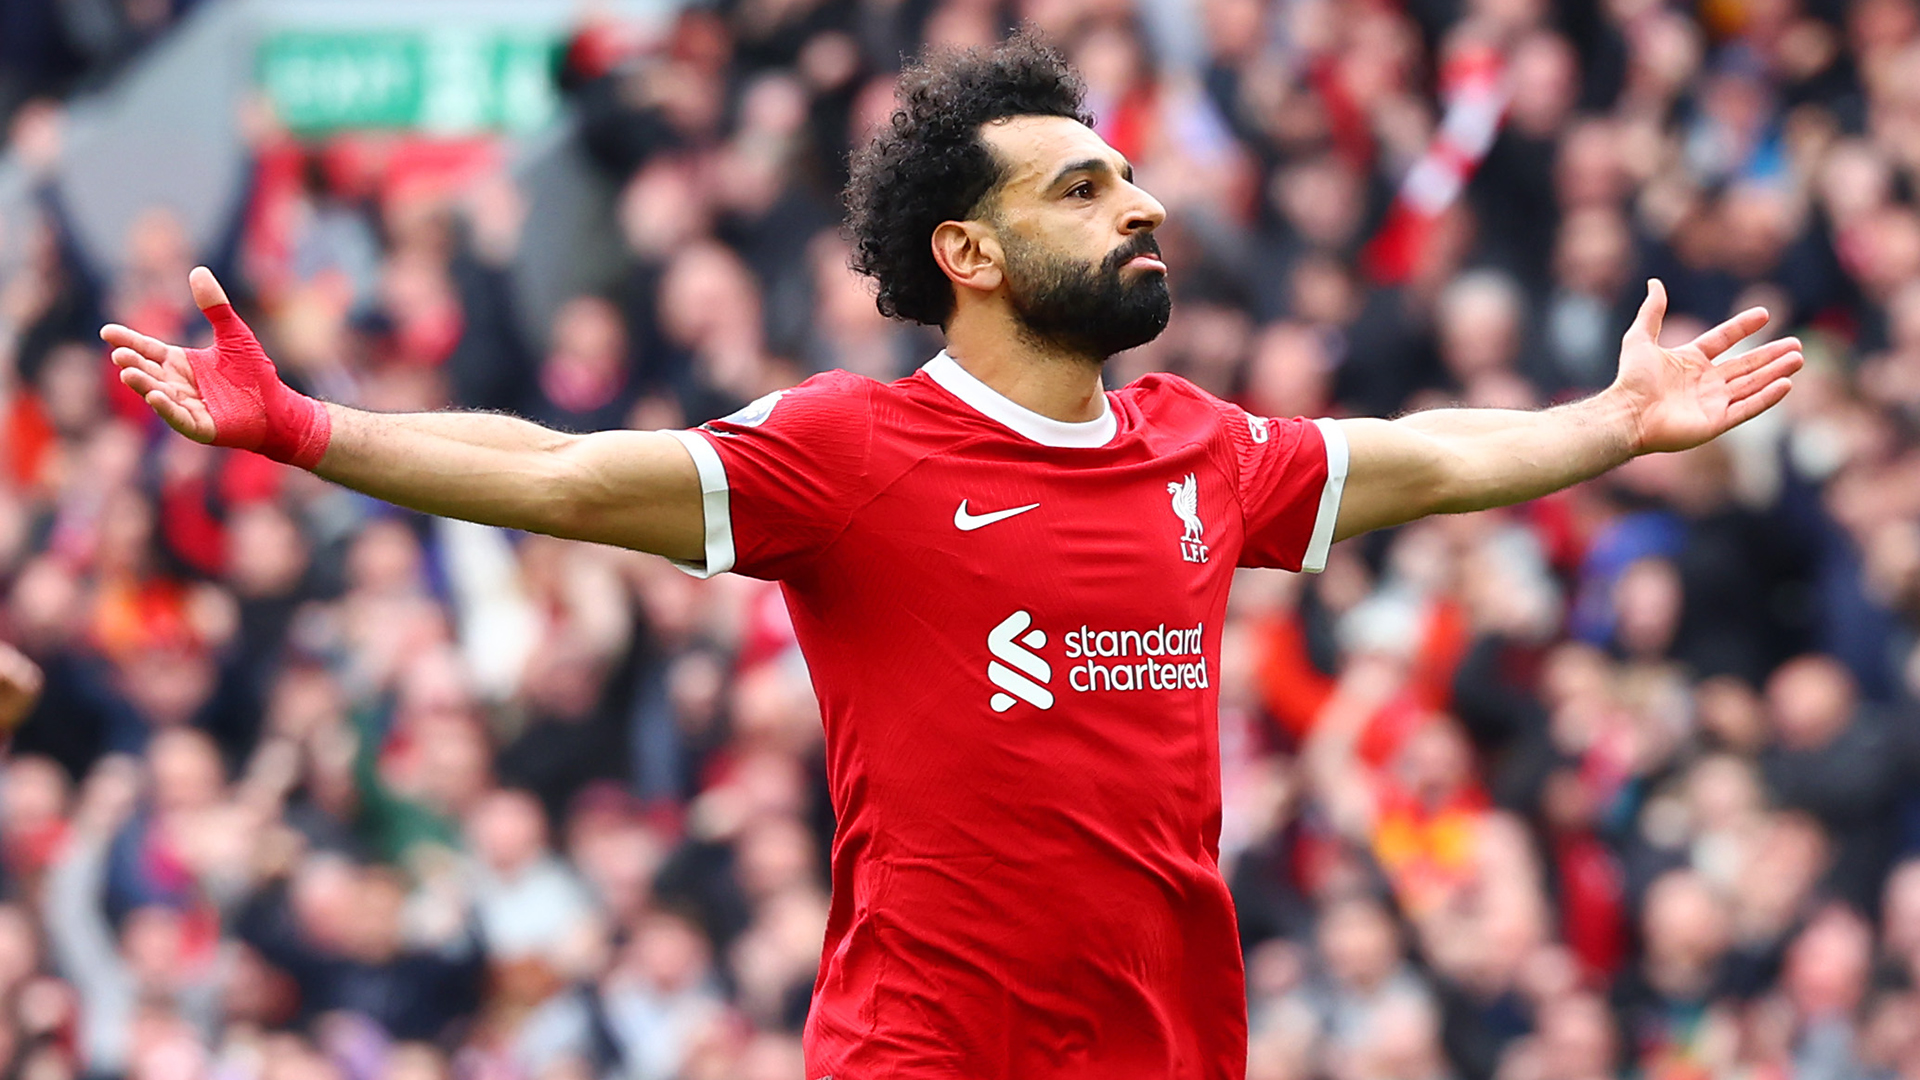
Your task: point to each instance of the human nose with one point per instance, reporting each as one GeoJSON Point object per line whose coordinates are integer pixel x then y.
{"type": "Point", "coordinates": [1145, 214]}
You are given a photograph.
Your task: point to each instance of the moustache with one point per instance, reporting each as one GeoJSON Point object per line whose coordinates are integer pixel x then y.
{"type": "Point", "coordinates": [1141, 244]}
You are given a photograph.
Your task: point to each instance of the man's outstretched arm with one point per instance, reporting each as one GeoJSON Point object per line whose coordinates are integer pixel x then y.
{"type": "Point", "coordinates": [629, 488]}
{"type": "Point", "coordinates": [1455, 460]}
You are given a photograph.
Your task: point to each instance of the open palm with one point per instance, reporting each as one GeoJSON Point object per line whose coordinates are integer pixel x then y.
{"type": "Point", "coordinates": [1690, 394]}
{"type": "Point", "coordinates": [161, 373]}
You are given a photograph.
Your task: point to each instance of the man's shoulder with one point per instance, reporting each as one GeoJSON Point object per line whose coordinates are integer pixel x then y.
{"type": "Point", "coordinates": [1163, 391]}
{"type": "Point", "coordinates": [899, 404]}
{"type": "Point", "coordinates": [838, 387]}
{"type": "Point", "coordinates": [1168, 404]}
{"type": "Point", "coordinates": [841, 381]}
{"type": "Point", "coordinates": [825, 396]}
{"type": "Point", "coordinates": [834, 386]}
{"type": "Point", "coordinates": [836, 414]}
{"type": "Point", "coordinates": [1172, 408]}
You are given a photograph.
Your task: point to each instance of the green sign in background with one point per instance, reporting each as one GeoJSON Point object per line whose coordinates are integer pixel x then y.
{"type": "Point", "coordinates": [440, 81]}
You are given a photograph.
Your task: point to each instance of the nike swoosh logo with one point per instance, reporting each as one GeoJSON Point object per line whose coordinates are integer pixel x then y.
{"type": "Point", "coordinates": [966, 522]}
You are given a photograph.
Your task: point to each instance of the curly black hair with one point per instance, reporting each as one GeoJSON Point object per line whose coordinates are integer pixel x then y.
{"type": "Point", "coordinates": [928, 164]}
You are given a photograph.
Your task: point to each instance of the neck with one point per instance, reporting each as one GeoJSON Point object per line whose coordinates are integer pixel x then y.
{"type": "Point", "coordinates": [1033, 374]}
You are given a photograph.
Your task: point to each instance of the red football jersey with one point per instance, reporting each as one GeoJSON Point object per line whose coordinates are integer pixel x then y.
{"type": "Point", "coordinates": [1013, 627]}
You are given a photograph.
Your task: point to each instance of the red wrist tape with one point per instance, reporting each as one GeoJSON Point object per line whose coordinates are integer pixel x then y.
{"type": "Point", "coordinates": [251, 408]}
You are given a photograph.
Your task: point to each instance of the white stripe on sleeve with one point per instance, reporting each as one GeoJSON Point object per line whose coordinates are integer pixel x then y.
{"type": "Point", "coordinates": [713, 503]}
{"type": "Point", "coordinates": [1322, 540]}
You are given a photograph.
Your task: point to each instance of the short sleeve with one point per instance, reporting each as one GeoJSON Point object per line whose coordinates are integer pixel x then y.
{"type": "Point", "coordinates": [779, 479]}
{"type": "Point", "coordinates": [1291, 473]}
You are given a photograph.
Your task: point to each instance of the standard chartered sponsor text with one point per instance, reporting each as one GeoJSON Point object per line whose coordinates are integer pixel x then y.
{"type": "Point", "coordinates": [1144, 649]}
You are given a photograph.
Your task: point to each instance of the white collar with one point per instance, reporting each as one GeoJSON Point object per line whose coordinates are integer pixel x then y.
{"type": "Point", "coordinates": [992, 404]}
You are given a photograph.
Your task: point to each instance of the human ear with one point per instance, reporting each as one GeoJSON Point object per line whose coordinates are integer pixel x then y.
{"type": "Point", "coordinates": [968, 254]}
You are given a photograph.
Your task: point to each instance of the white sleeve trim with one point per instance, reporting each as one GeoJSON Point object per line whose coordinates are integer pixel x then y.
{"type": "Point", "coordinates": [1322, 540]}
{"type": "Point", "coordinates": [713, 505]}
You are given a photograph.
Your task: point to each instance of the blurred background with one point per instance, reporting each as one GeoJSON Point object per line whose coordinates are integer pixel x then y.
{"type": "Point", "coordinates": [1618, 783]}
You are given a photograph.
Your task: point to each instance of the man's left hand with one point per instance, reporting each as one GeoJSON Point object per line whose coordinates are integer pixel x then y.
{"type": "Point", "coordinates": [1684, 396]}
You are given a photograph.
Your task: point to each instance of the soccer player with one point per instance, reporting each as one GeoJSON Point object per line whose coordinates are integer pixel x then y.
{"type": "Point", "coordinates": [1008, 581]}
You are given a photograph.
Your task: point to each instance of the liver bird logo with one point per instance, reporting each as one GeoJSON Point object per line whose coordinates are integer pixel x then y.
{"type": "Point", "coordinates": [1186, 503]}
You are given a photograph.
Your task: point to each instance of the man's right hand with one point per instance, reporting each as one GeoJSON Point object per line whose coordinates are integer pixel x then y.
{"type": "Point", "coordinates": [227, 395]}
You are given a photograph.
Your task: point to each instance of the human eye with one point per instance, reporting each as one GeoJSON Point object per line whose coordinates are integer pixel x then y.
{"type": "Point", "coordinates": [1081, 190]}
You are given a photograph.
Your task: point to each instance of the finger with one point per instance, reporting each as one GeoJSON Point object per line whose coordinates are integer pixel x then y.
{"type": "Point", "coordinates": [207, 292]}
{"type": "Point", "coordinates": [1732, 332]}
{"type": "Point", "coordinates": [141, 382]}
{"type": "Point", "coordinates": [1732, 367]}
{"type": "Point", "coordinates": [127, 338]}
{"type": "Point", "coordinates": [179, 393]}
{"type": "Point", "coordinates": [179, 417]}
{"type": "Point", "coordinates": [126, 358]}
{"type": "Point", "coordinates": [1747, 408]}
{"type": "Point", "coordinates": [1653, 312]}
{"type": "Point", "coordinates": [1753, 382]}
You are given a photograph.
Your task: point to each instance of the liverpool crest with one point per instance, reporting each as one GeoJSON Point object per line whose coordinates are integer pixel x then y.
{"type": "Point", "coordinates": [1186, 506]}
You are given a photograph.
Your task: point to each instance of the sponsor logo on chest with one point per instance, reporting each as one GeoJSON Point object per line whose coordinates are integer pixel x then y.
{"type": "Point", "coordinates": [1156, 658]}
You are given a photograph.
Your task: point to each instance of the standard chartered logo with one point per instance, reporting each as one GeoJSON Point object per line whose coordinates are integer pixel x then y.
{"type": "Point", "coordinates": [1157, 658]}
{"type": "Point", "coordinates": [1161, 658]}
{"type": "Point", "coordinates": [1006, 643]}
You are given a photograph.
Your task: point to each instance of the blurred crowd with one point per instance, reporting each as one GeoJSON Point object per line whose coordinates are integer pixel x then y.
{"type": "Point", "coordinates": [55, 47]}
{"type": "Point", "coordinates": [1618, 783]}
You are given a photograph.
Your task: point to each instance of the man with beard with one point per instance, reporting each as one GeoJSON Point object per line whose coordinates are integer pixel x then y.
{"type": "Point", "coordinates": [1008, 581]}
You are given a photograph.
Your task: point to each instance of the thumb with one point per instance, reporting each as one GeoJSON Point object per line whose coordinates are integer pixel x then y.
{"type": "Point", "coordinates": [207, 292]}
{"type": "Point", "coordinates": [1646, 325]}
{"type": "Point", "coordinates": [214, 304]}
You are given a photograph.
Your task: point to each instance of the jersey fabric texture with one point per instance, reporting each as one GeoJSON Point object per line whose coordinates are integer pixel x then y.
{"type": "Point", "coordinates": [1013, 627]}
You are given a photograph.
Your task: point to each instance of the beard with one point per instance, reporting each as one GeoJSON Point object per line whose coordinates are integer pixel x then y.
{"type": "Point", "coordinates": [1084, 309]}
